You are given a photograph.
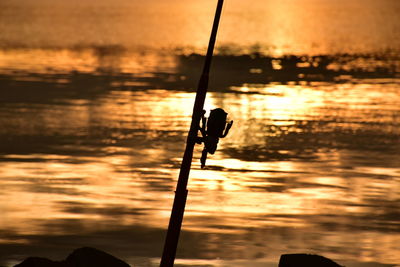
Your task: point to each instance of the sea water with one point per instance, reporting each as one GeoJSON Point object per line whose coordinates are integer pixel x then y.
{"type": "Point", "coordinates": [95, 104]}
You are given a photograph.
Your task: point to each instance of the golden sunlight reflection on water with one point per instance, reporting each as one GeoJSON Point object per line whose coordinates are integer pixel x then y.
{"type": "Point", "coordinates": [130, 144]}
{"type": "Point", "coordinates": [47, 61]}
{"type": "Point", "coordinates": [93, 128]}
{"type": "Point", "coordinates": [281, 27]}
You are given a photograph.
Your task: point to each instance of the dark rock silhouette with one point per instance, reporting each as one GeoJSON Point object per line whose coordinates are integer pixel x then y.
{"type": "Point", "coordinates": [40, 262]}
{"type": "Point", "coordinates": [81, 257]}
{"type": "Point", "coordinates": [306, 260]}
{"type": "Point", "coordinates": [91, 257]}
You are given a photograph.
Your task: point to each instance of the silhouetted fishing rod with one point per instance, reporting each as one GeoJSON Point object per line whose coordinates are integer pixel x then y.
{"type": "Point", "coordinates": [178, 208]}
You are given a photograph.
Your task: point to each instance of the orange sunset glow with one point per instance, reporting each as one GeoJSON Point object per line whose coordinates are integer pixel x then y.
{"type": "Point", "coordinates": [96, 101]}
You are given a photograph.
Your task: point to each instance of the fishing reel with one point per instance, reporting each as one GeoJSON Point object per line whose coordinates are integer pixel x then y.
{"type": "Point", "coordinates": [212, 129]}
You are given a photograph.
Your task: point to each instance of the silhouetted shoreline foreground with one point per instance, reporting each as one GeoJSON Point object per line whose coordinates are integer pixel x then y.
{"type": "Point", "coordinates": [91, 257]}
{"type": "Point", "coordinates": [82, 257]}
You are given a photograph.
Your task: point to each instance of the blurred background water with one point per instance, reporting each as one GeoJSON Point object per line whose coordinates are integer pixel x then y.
{"type": "Point", "coordinates": [95, 104]}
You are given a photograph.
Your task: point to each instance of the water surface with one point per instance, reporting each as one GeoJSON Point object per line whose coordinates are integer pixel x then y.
{"type": "Point", "coordinates": [95, 104]}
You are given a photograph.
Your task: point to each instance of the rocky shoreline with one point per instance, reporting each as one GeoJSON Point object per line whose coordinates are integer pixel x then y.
{"type": "Point", "coordinates": [91, 257]}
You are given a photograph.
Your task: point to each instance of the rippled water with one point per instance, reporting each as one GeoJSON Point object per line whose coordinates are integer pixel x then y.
{"type": "Point", "coordinates": [93, 129]}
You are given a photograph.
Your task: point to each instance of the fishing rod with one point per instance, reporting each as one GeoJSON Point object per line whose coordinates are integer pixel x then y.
{"type": "Point", "coordinates": [178, 208]}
